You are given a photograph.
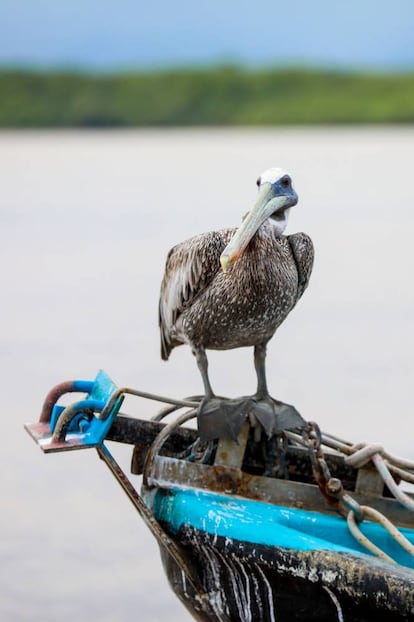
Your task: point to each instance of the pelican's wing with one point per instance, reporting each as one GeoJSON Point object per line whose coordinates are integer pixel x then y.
{"type": "Point", "coordinates": [189, 269]}
{"type": "Point", "coordinates": [303, 253]}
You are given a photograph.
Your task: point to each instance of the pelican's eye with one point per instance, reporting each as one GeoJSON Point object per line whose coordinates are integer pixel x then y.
{"type": "Point", "coordinates": [285, 181]}
{"type": "Point", "coordinates": [258, 182]}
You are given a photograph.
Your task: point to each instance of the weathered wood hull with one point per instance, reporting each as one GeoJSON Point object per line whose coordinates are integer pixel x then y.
{"type": "Point", "coordinates": [258, 583]}
{"type": "Point", "coordinates": [260, 562]}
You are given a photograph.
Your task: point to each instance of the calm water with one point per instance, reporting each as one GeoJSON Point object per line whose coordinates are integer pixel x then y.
{"type": "Point", "coordinates": [86, 222]}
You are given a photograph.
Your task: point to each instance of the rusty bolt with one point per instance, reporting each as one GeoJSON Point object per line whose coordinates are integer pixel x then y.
{"type": "Point", "coordinates": [334, 486]}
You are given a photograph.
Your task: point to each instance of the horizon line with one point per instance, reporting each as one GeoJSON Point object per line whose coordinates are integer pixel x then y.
{"type": "Point", "coordinates": [125, 69]}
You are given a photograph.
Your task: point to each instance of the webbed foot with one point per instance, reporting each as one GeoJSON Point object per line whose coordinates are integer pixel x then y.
{"type": "Point", "coordinates": [275, 416]}
{"type": "Point", "coordinates": [220, 417]}
{"type": "Point", "coordinates": [224, 418]}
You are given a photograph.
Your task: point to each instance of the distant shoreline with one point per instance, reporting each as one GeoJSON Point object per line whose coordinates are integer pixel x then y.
{"type": "Point", "coordinates": [222, 96]}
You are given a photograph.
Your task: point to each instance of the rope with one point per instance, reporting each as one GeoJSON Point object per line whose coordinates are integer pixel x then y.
{"type": "Point", "coordinates": [357, 456]}
{"type": "Point", "coordinates": [391, 484]}
{"type": "Point", "coordinates": [376, 516]}
{"type": "Point", "coordinates": [364, 541]}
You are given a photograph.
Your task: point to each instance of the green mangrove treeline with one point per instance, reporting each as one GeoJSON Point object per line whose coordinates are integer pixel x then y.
{"type": "Point", "coordinates": [220, 96]}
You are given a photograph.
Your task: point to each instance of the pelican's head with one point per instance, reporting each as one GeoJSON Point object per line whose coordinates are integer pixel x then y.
{"type": "Point", "coordinates": [276, 197]}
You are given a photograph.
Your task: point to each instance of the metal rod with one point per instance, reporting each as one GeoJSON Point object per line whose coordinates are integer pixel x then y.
{"type": "Point", "coordinates": [158, 443]}
{"type": "Point", "coordinates": [160, 535]}
{"type": "Point", "coordinates": [70, 386]}
{"type": "Point", "coordinates": [149, 396]}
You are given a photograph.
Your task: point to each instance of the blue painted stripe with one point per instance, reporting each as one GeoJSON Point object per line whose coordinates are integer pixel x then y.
{"type": "Point", "coordinates": [270, 525]}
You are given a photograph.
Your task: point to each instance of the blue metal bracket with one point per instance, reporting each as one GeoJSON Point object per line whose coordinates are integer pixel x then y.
{"type": "Point", "coordinates": [79, 425]}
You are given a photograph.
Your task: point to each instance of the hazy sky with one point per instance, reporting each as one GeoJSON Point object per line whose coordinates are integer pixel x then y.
{"type": "Point", "coordinates": [134, 33]}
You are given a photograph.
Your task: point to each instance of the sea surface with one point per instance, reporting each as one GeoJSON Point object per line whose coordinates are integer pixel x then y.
{"type": "Point", "coordinates": [86, 221]}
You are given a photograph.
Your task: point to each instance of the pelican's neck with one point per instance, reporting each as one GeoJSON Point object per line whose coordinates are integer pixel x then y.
{"type": "Point", "coordinates": [279, 225]}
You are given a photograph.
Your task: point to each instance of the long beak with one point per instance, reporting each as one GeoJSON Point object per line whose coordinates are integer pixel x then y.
{"type": "Point", "coordinates": [254, 219]}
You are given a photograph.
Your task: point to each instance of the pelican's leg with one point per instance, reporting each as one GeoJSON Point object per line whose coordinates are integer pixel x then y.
{"type": "Point", "coordinates": [273, 415]}
{"type": "Point", "coordinates": [202, 363]}
{"type": "Point", "coordinates": [260, 367]}
{"type": "Point", "coordinates": [217, 417]}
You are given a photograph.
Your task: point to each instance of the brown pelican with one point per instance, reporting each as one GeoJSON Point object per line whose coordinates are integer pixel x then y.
{"type": "Point", "coordinates": [232, 288]}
